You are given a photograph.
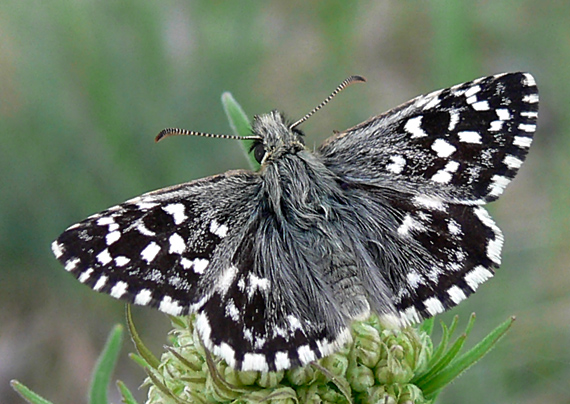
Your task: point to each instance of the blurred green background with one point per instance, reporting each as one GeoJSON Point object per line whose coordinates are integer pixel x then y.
{"type": "Point", "coordinates": [85, 86]}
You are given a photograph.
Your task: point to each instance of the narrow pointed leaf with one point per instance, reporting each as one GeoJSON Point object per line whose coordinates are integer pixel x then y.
{"type": "Point", "coordinates": [427, 325]}
{"type": "Point", "coordinates": [128, 397]}
{"type": "Point", "coordinates": [466, 360]}
{"type": "Point", "coordinates": [104, 367]}
{"type": "Point", "coordinates": [239, 122]}
{"type": "Point", "coordinates": [28, 394]}
{"type": "Point", "coordinates": [141, 348]}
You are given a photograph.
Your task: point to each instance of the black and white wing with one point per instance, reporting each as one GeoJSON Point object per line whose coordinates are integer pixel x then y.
{"type": "Point", "coordinates": [463, 143]}
{"type": "Point", "coordinates": [432, 163]}
{"type": "Point", "coordinates": [194, 248]}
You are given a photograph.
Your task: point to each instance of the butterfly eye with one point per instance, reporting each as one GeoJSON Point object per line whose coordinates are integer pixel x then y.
{"type": "Point", "coordinates": [258, 152]}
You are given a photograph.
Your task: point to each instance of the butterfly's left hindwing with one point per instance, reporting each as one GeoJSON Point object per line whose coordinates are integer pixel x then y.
{"type": "Point", "coordinates": [197, 248]}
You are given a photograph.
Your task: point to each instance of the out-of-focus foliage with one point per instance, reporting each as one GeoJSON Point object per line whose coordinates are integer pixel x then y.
{"type": "Point", "coordinates": [85, 86]}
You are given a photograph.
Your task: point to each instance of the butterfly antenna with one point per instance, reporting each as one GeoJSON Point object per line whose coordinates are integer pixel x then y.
{"type": "Point", "coordinates": [179, 132]}
{"type": "Point", "coordinates": [342, 86]}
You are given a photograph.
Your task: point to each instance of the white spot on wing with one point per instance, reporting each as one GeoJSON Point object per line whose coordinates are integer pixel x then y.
{"type": "Point", "coordinates": [410, 315]}
{"type": "Point", "coordinates": [144, 206]}
{"type": "Point", "coordinates": [220, 230]}
{"type": "Point", "coordinates": [472, 91]}
{"type": "Point", "coordinates": [512, 162]}
{"type": "Point", "coordinates": [100, 283]}
{"type": "Point", "coordinates": [528, 80]}
{"type": "Point", "coordinates": [522, 141]}
{"type": "Point", "coordinates": [57, 249]}
{"type": "Point", "coordinates": [104, 257]}
{"type": "Point", "coordinates": [294, 323]}
{"type": "Point", "coordinates": [453, 120]}
{"type": "Point", "coordinates": [232, 311]}
{"type": "Point", "coordinates": [71, 264]}
{"type": "Point", "coordinates": [121, 261]}
{"type": "Point", "coordinates": [409, 224]}
{"type": "Point", "coordinates": [453, 227]}
{"type": "Point", "coordinates": [104, 221]}
{"type": "Point", "coordinates": [112, 237]}
{"type": "Point", "coordinates": [227, 353]}
{"type": "Point", "coordinates": [177, 245]}
{"type": "Point", "coordinates": [429, 202]}
{"type": "Point", "coordinates": [397, 165]}
{"type": "Point", "coordinates": [530, 114]}
{"type": "Point", "coordinates": [494, 248]}
{"type": "Point", "coordinates": [306, 354]}
{"type": "Point", "coordinates": [255, 283]}
{"type": "Point", "coordinates": [170, 306]}
{"type": "Point", "coordinates": [442, 176]}
{"type": "Point", "coordinates": [414, 279]}
{"type": "Point", "coordinates": [527, 127]}
{"type": "Point", "coordinates": [254, 361]}
{"type": "Point", "coordinates": [477, 276]}
{"type": "Point", "coordinates": [434, 306]}
{"type": "Point", "coordinates": [469, 137]}
{"type": "Point", "coordinates": [144, 297]}
{"type": "Point", "coordinates": [282, 361]}
{"type": "Point", "coordinates": [503, 113]}
{"type": "Point", "coordinates": [434, 102]}
{"type": "Point", "coordinates": [203, 326]}
{"type": "Point", "coordinates": [177, 210]}
{"type": "Point", "coordinates": [531, 98]}
{"type": "Point", "coordinates": [150, 252]}
{"type": "Point", "coordinates": [496, 126]}
{"type": "Point", "coordinates": [481, 106]}
{"type": "Point", "coordinates": [142, 229]}
{"type": "Point", "coordinates": [443, 148]}
{"type": "Point", "coordinates": [498, 184]}
{"type": "Point", "coordinates": [495, 245]}
{"type": "Point", "coordinates": [456, 294]}
{"type": "Point", "coordinates": [226, 279]}
{"type": "Point", "coordinates": [200, 265]}
{"type": "Point", "coordinates": [413, 127]}
{"type": "Point", "coordinates": [119, 289]}
{"type": "Point", "coordinates": [85, 275]}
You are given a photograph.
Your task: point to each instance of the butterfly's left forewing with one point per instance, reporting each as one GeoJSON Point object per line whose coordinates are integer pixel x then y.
{"type": "Point", "coordinates": [164, 248]}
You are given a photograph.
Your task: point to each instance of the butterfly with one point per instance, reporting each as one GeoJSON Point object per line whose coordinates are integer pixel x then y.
{"type": "Point", "coordinates": [386, 217]}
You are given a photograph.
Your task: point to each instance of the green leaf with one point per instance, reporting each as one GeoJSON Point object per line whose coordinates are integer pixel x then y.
{"type": "Point", "coordinates": [105, 365]}
{"type": "Point", "coordinates": [441, 360]}
{"type": "Point", "coordinates": [468, 359]}
{"type": "Point", "coordinates": [28, 394]}
{"type": "Point", "coordinates": [141, 348]}
{"type": "Point", "coordinates": [427, 326]}
{"type": "Point", "coordinates": [128, 397]}
{"type": "Point", "coordinates": [239, 122]}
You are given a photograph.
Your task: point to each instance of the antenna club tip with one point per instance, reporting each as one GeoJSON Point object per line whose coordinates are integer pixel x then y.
{"type": "Point", "coordinates": [356, 77]}
{"type": "Point", "coordinates": [160, 136]}
{"type": "Point", "coordinates": [164, 133]}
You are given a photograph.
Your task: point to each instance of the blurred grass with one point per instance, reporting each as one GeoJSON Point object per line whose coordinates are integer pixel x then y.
{"type": "Point", "coordinates": [86, 85]}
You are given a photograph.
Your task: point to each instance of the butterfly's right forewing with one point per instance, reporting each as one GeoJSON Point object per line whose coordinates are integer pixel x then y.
{"type": "Point", "coordinates": [462, 144]}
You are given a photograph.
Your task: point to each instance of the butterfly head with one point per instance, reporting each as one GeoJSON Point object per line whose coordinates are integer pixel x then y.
{"type": "Point", "coordinates": [276, 137]}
